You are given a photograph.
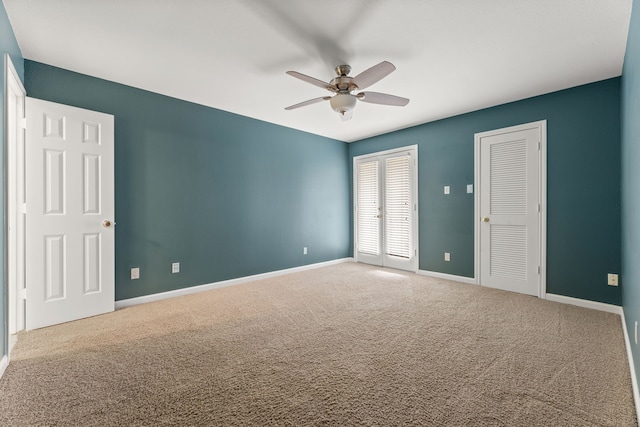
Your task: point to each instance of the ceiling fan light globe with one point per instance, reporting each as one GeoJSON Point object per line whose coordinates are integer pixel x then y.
{"type": "Point", "coordinates": [342, 102]}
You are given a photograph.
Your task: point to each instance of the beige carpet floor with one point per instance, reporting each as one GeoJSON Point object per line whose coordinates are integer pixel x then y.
{"type": "Point", "coordinates": [348, 344]}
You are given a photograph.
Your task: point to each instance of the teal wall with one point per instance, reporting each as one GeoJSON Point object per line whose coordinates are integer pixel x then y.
{"type": "Point", "coordinates": [631, 181]}
{"type": "Point", "coordinates": [8, 45]}
{"type": "Point", "coordinates": [226, 196]}
{"type": "Point", "coordinates": [583, 191]}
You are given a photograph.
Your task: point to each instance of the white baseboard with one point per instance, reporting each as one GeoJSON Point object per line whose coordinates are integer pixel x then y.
{"type": "Point", "coordinates": [609, 308]}
{"type": "Point", "coordinates": [209, 286]}
{"type": "Point", "coordinates": [462, 279]}
{"type": "Point", "coordinates": [3, 365]}
{"type": "Point", "coordinates": [632, 369]}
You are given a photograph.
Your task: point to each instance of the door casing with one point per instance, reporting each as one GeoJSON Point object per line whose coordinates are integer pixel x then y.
{"type": "Point", "coordinates": [542, 164]}
{"type": "Point", "coordinates": [14, 227]}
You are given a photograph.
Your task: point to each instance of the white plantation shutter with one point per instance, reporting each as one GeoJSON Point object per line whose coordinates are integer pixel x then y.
{"type": "Point", "coordinates": [398, 206]}
{"type": "Point", "coordinates": [368, 204]}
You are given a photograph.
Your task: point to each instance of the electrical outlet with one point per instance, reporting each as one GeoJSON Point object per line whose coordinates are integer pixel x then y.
{"type": "Point", "coordinates": [175, 267]}
{"type": "Point", "coordinates": [447, 189]}
{"type": "Point", "coordinates": [447, 256]}
{"type": "Point", "coordinates": [612, 279]}
{"type": "Point", "coordinates": [135, 273]}
{"type": "Point", "coordinates": [304, 250]}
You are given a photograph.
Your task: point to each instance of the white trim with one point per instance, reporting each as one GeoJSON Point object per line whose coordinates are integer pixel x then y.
{"type": "Point", "coordinates": [543, 208]}
{"type": "Point", "coordinates": [13, 315]}
{"type": "Point", "coordinates": [387, 152]}
{"type": "Point", "coordinates": [452, 277]}
{"type": "Point", "coordinates": [542, 125]}
{"type": "Point", "coordinates": [632, 369]}
{"type": "Point", "coordinates": [476, 209]}
{"type": "Point", "coordinates": [594, 305]}
{"type": "Point", "coordinates": [4, 363]}
{"type": "Point", "coordinates": [209, 286]}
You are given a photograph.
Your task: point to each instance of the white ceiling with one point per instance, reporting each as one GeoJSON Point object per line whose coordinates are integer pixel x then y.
{"type": "Point", "coordinates": [452, 56]}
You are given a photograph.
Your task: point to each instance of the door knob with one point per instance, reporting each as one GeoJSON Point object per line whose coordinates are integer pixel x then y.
{"type": "Point", "coordinates": [106, 223]}
{"type": "Point", "coordinates": [485, 219]}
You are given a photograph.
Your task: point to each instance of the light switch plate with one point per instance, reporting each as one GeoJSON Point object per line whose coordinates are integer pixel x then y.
{"type": "Point", "coordinates": [447, 189]}
{"type": "Point", "coordinates": [447, 256]}
{"type": "Point", "coordinates": [135, 273]}
{"type": "Point", "coordinates": [469, 188]}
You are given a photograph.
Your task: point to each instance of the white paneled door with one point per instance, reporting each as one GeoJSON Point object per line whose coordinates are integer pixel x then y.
{"type": "Point", "coordinates": [385, 209]}
{"type": "Point", "coordinates": [510, 208]}
{"type": "Point", "coordinates": [70, 213]}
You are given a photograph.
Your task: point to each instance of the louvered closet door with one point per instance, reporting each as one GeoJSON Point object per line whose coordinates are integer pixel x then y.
{"type": "Point", "coordinates": [509, 211]}
{"type": "Point", "coordinates": [385, 210]}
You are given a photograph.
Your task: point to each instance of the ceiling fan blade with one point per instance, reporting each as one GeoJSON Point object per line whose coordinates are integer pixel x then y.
{"type": "Point", "coordinates": [311, 80]}
{"type": "Point", "coordinates": [309, 102]}
{"type": "Point", "coordinates": [373, 74]}
{"type": "Point", "coordinates": [382, 98]}
{"type": "Point", "coordinates": [346, 116]}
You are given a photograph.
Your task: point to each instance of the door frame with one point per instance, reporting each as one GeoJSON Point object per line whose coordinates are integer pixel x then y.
{"type": "Point", "coordinates": [14, 307]}
{"type": "Point", "coordinates": [414, 184]}
{"type": "Point", "coordinates": [541, 125]}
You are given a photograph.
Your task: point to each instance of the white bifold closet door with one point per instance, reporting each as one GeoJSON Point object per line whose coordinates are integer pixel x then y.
{"type": "Point", "coordinates": [385, 209]}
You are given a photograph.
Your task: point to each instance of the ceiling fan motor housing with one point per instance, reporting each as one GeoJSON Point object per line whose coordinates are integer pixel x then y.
{"type": "Point", "coordinates": [343, 83]}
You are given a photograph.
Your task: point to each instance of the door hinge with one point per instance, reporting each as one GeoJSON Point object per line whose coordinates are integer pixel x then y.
{"type": "Point", "coordinates": [23, 123]}
{"type": "Point", "coordinates": [22, 209]}
{"type": "Point", "coordinates": [539, 207]}
{"type": "Point", "coordinates": [539, 145]}
{"type": "Point", "coordinates": [22, 294]}
{"type": "Point", "coordinates": [538, 269]}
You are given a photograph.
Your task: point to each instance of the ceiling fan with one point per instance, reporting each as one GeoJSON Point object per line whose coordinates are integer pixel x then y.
{"type": "Point", "coordinates": [345, 87]}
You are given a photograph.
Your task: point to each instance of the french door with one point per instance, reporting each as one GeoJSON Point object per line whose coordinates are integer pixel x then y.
{"type": "Point", "coordinates": [385, 209]}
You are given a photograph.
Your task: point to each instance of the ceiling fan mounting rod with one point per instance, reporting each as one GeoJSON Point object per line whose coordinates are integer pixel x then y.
{"type": "Point", "coordinates": [343, 70]}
